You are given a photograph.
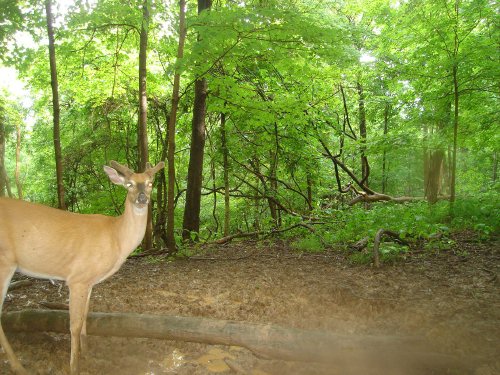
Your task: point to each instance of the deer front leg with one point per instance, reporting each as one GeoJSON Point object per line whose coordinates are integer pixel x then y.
{"type": "Point", "coordinates": [78, 300]}
{"type": "Point", "coordinates": [6, 272]}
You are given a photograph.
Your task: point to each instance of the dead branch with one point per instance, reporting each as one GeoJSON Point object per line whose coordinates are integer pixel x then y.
{"type": "Point", "coordinates": [54, 305]}
{"type": "Point", "coordinates": [224, 240]}
{"type": "Point", "coordinates": [20, 284]}
{"type": "Point", "coordinates": [360, 245]}
{"type": "Point", "coordinates": [378, 238]}
{"type": "Point", "coordinates": [378, 197]}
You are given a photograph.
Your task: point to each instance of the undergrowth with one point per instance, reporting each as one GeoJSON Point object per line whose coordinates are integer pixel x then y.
{"type": "Point", "coordinates": [413, 221]}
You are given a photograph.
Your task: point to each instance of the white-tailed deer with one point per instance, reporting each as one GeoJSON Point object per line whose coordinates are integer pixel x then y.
{"type": "Point", "coordinates": [81, 249]}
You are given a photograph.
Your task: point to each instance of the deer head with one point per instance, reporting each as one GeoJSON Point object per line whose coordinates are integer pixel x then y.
{"type": "Point", "coordinates": [138, 185]}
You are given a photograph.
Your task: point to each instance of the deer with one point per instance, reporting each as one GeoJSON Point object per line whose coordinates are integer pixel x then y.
{"type": "Point", "coordinates": [80, 249]}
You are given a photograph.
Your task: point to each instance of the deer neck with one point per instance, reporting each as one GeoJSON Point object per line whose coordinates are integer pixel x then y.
{"type": "Point", "coordinates": [132, 226]}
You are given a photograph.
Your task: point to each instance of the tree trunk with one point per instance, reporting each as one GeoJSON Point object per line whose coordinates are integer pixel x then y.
{"type": "Point", "coordinates": [384, 156]}
{"type": "Point", "coordinates": [225, 164]}
{"type": "Point", "coordinates": [309, 182]}
{"type": "Point", "coordinates": [143, 115]}
{"type": "Point", "coordinates": [273, 183]}
{"type": "Point", "coordinates": [495, 166]}
{"type": "Point", "coordinates": [4, 179]}
{"type": "Point", "coordinates": [434, 169]}
{"type": "Point", "coordinates": [55, 106]}
{"type": "Point", "coordinates": [265, 340]}
{"type": "Point", "coordinates": [171, 133]}
{"type": "Point", "coordinates": [362, 133]}
{"type": "Point", "coordinates": [191, 222]}
{"type": "Point", "coordinates": [455, 135]}
{"type": "Point", "coordinates": [18, 162]}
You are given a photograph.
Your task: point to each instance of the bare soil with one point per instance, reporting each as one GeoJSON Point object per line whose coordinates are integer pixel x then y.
{"type": "Point", "coordinates": [449, 298]}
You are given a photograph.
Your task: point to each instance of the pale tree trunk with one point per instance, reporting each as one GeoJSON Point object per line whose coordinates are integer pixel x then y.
{"type": "Point", "coordinates": [191, 221]}
{"type": "Point", "coordinates": [143, 115]}
{"type": "Point", "coordinates": [434, 175]}
{"type": "Point", "coordinates": [55, 106]}
{"type": "Point", "coordinates": [171, 132]}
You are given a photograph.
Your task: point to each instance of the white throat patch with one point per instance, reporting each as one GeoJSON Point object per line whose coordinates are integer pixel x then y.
{"type": "Point", "coordinates": [140, 211]}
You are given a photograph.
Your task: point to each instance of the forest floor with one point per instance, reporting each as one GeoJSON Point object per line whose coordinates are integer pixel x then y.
{"type": "Point", "coordinates": [450, 298]}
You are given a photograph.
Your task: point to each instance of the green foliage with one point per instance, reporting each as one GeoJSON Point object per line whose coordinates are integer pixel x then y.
{"type": "Point", "coordinates": [310, 244]}
{"type": "Point", "coordinates": [286, 77]}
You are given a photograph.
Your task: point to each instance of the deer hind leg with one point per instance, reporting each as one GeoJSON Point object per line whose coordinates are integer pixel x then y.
{"type": "Point", "coordinates": [6, 272]}
{"type": "Point", "coordinates": [78, 304]}
{"type": "Point", "coordinates": [83, 334]}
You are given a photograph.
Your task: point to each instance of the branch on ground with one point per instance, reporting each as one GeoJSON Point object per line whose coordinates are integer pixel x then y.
{"type": "Point", "coordinates": [266, 233]}
{"type": "Point", "coordinates": [378, 238]}
{"type": "Point", "coordinates": [264, 340]}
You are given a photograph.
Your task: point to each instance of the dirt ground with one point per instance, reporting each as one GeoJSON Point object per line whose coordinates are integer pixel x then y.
{"type": "Point", "coordinates": [450, 298]}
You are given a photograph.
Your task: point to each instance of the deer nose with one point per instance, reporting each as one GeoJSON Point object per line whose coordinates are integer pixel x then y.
{"type": "Point", "coordinates": [142, 198]}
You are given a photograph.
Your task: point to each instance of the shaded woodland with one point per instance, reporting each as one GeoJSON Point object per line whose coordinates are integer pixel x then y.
{"type": "Point", "coordinates": [317, 121]}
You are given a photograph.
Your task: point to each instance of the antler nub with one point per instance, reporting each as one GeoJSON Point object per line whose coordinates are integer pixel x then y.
{"type": "Point", "coordinates": [152, 170]}
{"type": "Point", "coordinates": [122, 169]}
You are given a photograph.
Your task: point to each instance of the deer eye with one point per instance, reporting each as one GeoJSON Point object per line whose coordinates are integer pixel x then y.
{"type": "Point", "coordinates": [129, 185]}
{"type": "Point", "coordinates": [150, 184]}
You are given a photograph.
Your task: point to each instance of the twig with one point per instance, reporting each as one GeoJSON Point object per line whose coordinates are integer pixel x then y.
{"type": "Point", "coordinates": [20, 284]}
{"type": "Point", "coordinates": [54, 305]}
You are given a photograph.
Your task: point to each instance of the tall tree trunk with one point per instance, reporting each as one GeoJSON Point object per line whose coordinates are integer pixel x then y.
{"type": "Point", "coordinates": [191, 222]}
{"type": "Point", "coordinates": [18, 162]}
{"type": "Point", "coordinates": [384, 156]}
{"type": "Point", "coordinates": [495, 167]}
{"type": "Point", "coordinates": [55, 106]}
{"type": "Point", "coordinates": [225, 163]}
{"type": "Point", "coordinates": [362, 133]}
{"type": "Point", "coordinates": [309, 182]}
{"type": "Point", "coordinates": [455, 135]}
{"type": "Point", "coordinates": [143, 115]}
{"type": "Point", "coordinates": [273, 183]}
{"type": "Point", "coordinates": [455, 98]}
{"type": "Point", "coordinates": [171, 132]}
{"type": "Point", "coordinates": [4, 179]}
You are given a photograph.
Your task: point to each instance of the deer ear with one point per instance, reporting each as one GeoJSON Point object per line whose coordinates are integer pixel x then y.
{"type": "Point", "coordinates": [114, 176]}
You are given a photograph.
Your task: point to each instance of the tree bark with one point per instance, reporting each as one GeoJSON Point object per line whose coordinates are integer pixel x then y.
{"type": "Point", "coordinates": [362, 134]}
{"type": "Point", "coordinates": [265, 340]}
{"type": "Point", "coordinates": [4, 179]}
{"type": "Point", "coordinates": [455, 135]}
{"type": "Point", "coordinates": [143, 115]}
{"type": "Point", "coordinates": [55, 106]}
{"type": "Point", "coordinates": [191, 221]}
{"type": "Point", "coordinates": [434, 170]}
{"type": "Point", "coordinates": [171, 245]}
{"type": "Point", "coordinates": [225, 163]}
{"type": "Point", "coordinates": [384, 156]}
{"type": "Point", "coordinates": [18, 163]}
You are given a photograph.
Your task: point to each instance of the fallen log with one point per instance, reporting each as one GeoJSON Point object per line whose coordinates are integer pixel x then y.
{"type": "Point", "coordinates": [264, 340]}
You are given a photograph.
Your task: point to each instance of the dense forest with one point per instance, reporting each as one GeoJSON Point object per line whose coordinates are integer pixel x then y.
{"type": "Point", "coordinates": [318, 121]}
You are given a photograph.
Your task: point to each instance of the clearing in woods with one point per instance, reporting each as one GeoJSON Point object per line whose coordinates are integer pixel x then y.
{"type": "Point", "coordinates": [450, 298]}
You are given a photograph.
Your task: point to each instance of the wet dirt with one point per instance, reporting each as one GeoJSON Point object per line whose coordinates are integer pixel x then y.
{"type": "Point", "coordinates": [449, 298]}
